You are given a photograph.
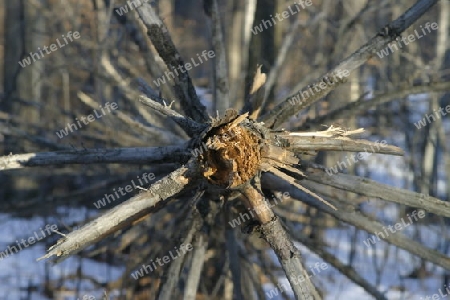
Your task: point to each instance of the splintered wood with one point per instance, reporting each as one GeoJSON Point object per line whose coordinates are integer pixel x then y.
{"type": "Point", "coordinates": [233, 156]}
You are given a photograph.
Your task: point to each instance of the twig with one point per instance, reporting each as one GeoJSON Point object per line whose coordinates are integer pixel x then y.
{"type": "Point", "coordinates": [191, 127]}
{"type": "Point", "coordinates": [299, 186]}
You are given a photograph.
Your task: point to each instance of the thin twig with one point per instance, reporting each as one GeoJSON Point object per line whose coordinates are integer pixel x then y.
{"type": "Point", "coordinates": [299, 186]}
{"type": "Point", "coordinates": [191, 127]}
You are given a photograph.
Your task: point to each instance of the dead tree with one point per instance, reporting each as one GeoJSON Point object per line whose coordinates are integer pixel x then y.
{"type": "Point", "coordinates": [246, 160]}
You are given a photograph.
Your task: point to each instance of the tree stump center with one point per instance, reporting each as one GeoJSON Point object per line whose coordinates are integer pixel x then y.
{"type": "Point", "coordinates": [233, 155]}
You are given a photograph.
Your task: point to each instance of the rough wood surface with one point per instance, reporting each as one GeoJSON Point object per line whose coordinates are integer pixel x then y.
{"type": "Point", "coordinates": [183, 86]}
{"type": "Point", "coordinates": [96, 156]}
{"type": "Point", "coordinates": [374, 189]}
{"type": "Point", "coordinates": [123, 214]}
{"type": "Point", "coordinates": [289, 257]}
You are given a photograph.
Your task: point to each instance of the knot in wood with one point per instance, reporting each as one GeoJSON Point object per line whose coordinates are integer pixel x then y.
{"type": "Point", "coordinates": [233, 155]}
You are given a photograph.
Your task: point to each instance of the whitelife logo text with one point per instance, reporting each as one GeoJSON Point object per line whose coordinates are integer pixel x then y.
{"type": "Point", "coordinates": [184, 68]}
{"type": "Point", "coordinates": [283, 16]}
{"type": "Point", "coordinates": [86, 120]}
{"type": "Point", "coordinates": [406, 40]}
{"type": "Point", "coordinates": [53, 47]}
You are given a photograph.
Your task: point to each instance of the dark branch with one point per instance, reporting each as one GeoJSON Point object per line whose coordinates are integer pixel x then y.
{"type": "Point", "coordinates": [328, 82]}
{"type": "Point", "coordinates": [169, 154]}
{"type": "Point", "coordinates": [183, 86]}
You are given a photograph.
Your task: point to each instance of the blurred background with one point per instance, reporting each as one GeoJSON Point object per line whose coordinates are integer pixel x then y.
{"type": "Point", "coordinates": [109, 62]}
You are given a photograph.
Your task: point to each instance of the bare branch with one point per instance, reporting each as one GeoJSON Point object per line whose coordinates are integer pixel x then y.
{"type": "Point", "coordinates": [221, 85]}
{"type": "Point", "coordinates": [285, 47]}
{"type": "Point", "coordinates": [347, 270]}
{"type": "Point", "coordinates": [191, 127]}
{"type": "Point", "coordinates": [256, 96]}
{"type": "Point", "coordinates": [372, 188]}
{"type": "Point", "coordinates": [299, 186]}
{"type": "Point", "coordinates": [95, 156]}
{"type": "Point", "coordinates": [334, 78]}
{"type": "Point", "coordinates": [195, 270]}
{"type": "Point", "coordinates": [321, 141]}
{"type": "Point", "coordinates": [233, 261]}
{"type": "Point", "coordinates": [356, 107]}
{"type": "Point", "coordinates": [189, 227]}
{"type": "Point", "coordinates": [183, 86]}
{"type": "Point", "coordinates": [274, 234]}
{"type": "Point", "coordinates": [358, 220]}
{"type": "Point", "coordinates": [7, 129]}
{"type": "Point", "coordinates": [256, 202]}
{"type": "Point", "coordinates": [124, 214]}
{"type": "Point", "coordinates": [161, 135]}
{"type": "Point", "coordinates": [289, 256]}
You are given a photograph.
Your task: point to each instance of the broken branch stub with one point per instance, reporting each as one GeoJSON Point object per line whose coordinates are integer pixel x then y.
{"type": "Point", "coordinates": [233, 154]}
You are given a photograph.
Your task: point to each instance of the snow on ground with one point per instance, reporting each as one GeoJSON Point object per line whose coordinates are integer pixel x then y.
{"type": "Point", "coordinates": [18, 270]}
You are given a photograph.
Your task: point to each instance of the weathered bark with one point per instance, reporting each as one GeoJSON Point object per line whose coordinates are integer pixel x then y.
{"type": "Point", "coordinates": [124, 214]}
{"type": "Point", "coordinates": [94, 156]}
{"type": "Point", "coordinates": [184, 88]}
{"type": "Point", "coordinates": [333, 78]}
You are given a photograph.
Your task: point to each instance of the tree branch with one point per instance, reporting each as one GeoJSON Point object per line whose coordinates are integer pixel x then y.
{"type": "Point", "coordinates": [191, 127]}
{"type": "Point", "coordinates": [195, 270]}
{"type": "Point", "coordinates": [347, 270]}
{"type": "Point", "coordinates": [183, 86]}
{"type": "Point", "coordinates": [168, 154]}
{"type": "Point", "coordinates": [125, 213]}
{"type": "Point", "coordinates": [298, 143]}
{"type": "Point", "coordinates": [275, 235]}
{"type": "Point", "coordinates": [372, 188]}
{"type": "Point", "coordinates": [356, 107]}
{"type": "Point", "coordinates": [358, 220]}
{"type": "Point", "coordinates": [289, 256]}
{"type": "Point", "coordinates": [221, 85]}
{"type": "Point", "coordinates": [334, 78]}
